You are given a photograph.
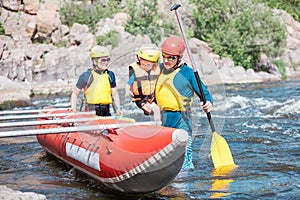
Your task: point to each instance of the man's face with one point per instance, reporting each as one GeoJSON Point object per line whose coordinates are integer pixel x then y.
{"type": "Point", "coordinates": [169, 61]}
{"type": "Point", "coordinates": [102, 62]}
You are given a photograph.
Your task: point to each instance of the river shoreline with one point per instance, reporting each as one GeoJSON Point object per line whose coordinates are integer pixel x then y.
{"type": "Point", "coordinates": [63, 88]}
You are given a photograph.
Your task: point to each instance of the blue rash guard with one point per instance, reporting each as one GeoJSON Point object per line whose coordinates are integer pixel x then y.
{"type": "Point", "coordinates": [188, 73]}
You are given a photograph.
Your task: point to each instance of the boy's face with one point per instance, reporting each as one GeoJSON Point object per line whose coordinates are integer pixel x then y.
{"type": "Point", "coordinates": [146, 64]}
{"type": "Point", "coordinates": [102, 62]}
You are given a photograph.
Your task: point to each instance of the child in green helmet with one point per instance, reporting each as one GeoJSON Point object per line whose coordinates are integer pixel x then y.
{"type": "Point", "coordinates": [98, 84]}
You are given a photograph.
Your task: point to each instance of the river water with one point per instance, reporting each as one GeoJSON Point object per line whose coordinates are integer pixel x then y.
{"type": "Point", "coordinates": [260, 122]}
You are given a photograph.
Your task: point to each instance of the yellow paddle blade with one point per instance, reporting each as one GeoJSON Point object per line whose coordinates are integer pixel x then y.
{"type": "Point", "coordinates": [220, 152]}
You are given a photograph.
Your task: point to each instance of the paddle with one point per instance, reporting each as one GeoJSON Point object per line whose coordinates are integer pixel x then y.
{"type": "Point", "coordinates": [9, 112]}
{"type": "Point", "coordinates": [59, 121]}
{"type": "Point", "coordinates": [72, 129]}
{"type": "Point", "coordinates": [220, 152]}
{"type": "Point", "coordinates": [44, 122]}
{"type": "Point", "coordinates": [33, 116]}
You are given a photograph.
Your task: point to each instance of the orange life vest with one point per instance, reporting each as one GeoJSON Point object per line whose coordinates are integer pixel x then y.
{"type": "Point", "coordinates": [144, 83]}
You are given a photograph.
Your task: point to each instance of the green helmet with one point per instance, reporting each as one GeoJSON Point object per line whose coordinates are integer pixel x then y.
{"type": "Point", "coordinates": [99, 51]}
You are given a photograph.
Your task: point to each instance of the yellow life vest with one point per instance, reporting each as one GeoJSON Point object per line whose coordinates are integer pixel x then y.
{"type": "Point", "coordinates": [99, 91]}
{"type": "Point", "coordinates": [144, 83]}
{"type": "Point", "coordinates": [167, 96]}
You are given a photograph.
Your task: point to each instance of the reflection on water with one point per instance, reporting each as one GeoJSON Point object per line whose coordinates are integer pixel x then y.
{"type": "Point", "coordinates": [220, 188]}
{"type": "Point", "coordinates": [260, 122]}
{"type": "Point", "coordinates": [221, 183]}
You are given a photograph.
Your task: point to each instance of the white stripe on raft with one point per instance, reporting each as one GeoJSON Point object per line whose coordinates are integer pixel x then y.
{"type": "Point", "coordinates": [84, 156]}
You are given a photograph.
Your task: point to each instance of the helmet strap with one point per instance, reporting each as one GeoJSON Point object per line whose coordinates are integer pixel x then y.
{"type": "Point", "coordinates": [95, 64]}
{"type": "Point", "coordinates": [138, 59]}
{"type": "Point", "coordinates": [177, 63]}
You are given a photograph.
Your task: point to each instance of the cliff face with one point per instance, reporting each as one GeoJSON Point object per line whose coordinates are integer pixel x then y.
{"type": "Point", "coordinates": [50, 69]}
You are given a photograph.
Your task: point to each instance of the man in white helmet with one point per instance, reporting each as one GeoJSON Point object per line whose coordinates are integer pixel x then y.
{"type": "Point", "coordinates": [98, 84]}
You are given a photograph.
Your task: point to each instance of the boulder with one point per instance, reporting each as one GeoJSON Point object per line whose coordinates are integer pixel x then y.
{"type": "Point", "coordinates": [31, 6]}
{"type": "Point", "coordinates": [10, 194]}
{"type": "Point", "coordinates": [13, 94]}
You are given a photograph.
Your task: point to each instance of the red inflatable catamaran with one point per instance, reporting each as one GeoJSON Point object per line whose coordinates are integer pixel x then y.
{"type": "Point", "coordinates": [123, 155]}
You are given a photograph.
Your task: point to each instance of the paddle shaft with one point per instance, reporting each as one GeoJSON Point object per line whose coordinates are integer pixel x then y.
{"type": "Point", "coordinates": [9, 112]}
{"type": "Point", "coordinates": [71, 129]}
{"type": "Point", "coordinates": [179, 20]}
{"type": "Point", "coordinates": [44, 122]}
{"type": "Point", "coordinates": [29, 116]}
{"type": "Point", "coordinates": [59, 121]}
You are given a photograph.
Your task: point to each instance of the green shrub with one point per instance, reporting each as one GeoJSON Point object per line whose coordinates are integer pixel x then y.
{"type": "Point", "coordinates": [145, 20]}
{"type": "Point", "coordinates": [1, 29]}
{"type": "Point", "coordinates": [290, 6]}
{"type": "Point", "coordinates": [111, 38]}
{"type": "Point", "coordinates": [7, 105]}
{"type": "Point", "coordinates": [239, 29]}
{"type": "Point", "coordinates": [281, 67]}
{"type": "Point", "coordinates": [62, 43]}
{"type": "Point", "coordinates": [89, 14]}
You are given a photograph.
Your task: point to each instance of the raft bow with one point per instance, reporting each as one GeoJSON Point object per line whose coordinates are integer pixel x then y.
{"type": "Point", "coordinates": [130, 159]}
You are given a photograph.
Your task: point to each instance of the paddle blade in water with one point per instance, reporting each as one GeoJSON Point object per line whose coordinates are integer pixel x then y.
{"type": "Point", "coordinates": [220, 152]}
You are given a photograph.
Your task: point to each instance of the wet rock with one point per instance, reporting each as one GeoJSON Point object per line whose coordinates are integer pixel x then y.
{"type": "Point", "coordinates": [13, 94]}
{"type": "Point", "coordinates": [10, 194]}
